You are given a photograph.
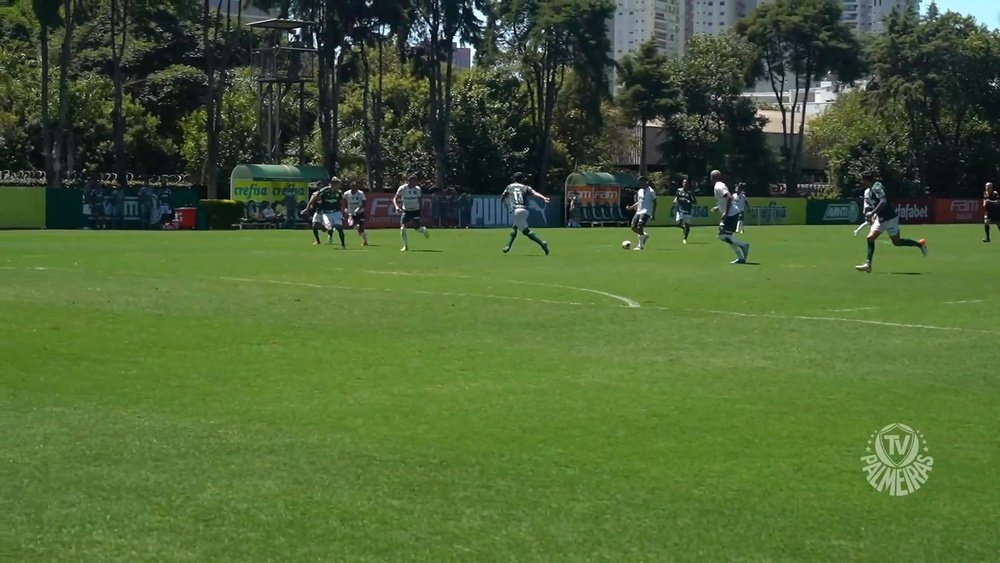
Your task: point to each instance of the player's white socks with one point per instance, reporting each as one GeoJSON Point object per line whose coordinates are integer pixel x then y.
{"type": "Point", "coordinates": [739, 226]}
{"type": "Point", "coordinates": [737, 250]}
{"type": "Point", "coordinates": [364, 236]}
{"type": "Point", "coordinates": [406, 239]}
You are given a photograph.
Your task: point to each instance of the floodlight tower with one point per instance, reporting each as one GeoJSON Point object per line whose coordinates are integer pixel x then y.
{"type": "Point", "coordinates": [284, 64]}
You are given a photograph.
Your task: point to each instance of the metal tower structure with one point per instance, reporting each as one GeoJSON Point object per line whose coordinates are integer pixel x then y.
{"type": "Point", "coordinates": [284, 64]}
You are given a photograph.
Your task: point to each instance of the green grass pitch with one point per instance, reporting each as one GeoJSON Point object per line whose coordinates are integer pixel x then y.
{"type": "Point", "coordinates": [245, 396]}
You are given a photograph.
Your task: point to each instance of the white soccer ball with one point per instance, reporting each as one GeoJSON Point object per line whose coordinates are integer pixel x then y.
{"type": "Point", "coordinates": [626, 244]}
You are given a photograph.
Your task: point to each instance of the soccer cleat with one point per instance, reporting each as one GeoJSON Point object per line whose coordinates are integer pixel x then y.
{"type": "Point", "coordinates": [684, 241]}
{"type": "Point", "coordinates": [923, 246]}
{"type": "Point", "coordinates": [545, 247]}
{"type": "Point", "coordinates": [986, 240]}
{"type": "Point", "coordinates": [638, 247]}
{"type": "Point", "coordinates": [867, 268]}
{"type": "Point", "coordinates": [506, 249]}
{"type": "Point", "coordinates": [404, 249]}
{"type": "Point", "coordinates": [364, 243]}
{"type": "Point", "coordinates": [317, 242]}
{"type": "Point", "coordinates": [738, 261]}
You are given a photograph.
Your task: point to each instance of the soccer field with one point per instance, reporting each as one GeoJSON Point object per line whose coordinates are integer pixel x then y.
{"type": "Point", "coordinates": [246, 396]}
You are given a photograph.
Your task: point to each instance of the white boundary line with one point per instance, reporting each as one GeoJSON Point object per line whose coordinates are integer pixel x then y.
{"type": "Point", "coordinates": [833, 319]}
{"type": "Point", "coordinates": [963, 302]}
{"type": "Point", "coordinates": [852, 310]}
{"type": "Point", "coordinates": [630, 303]}
{"type": "Point", "coordinates": [412, 291]}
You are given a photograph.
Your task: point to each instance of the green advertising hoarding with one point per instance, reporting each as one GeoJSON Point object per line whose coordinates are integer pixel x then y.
{"type": "Point", "coordinates": [833, 212]}
{"type": "Point", "coordinates": [763, 211]}
{"type": "Point", "coordinates": [22, 207]}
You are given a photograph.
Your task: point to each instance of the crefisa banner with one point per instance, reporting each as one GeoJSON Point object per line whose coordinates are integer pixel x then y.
{"type": "Point", "coordinates": [490, 212]}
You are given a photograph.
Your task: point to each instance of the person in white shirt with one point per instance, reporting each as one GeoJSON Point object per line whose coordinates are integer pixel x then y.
{"type": "Point", "coordinates": [741, 203]}
{"type": "Point", "coordinates": [730, 218]}
{"type": "Point", "coordinates": [645, 208]}
{"type": "Point", "coordinates": [868, 203]}
{"type": "Point", "coordinates": [408, 202]}
{"type": "Point", "coordinates": [354, 209]}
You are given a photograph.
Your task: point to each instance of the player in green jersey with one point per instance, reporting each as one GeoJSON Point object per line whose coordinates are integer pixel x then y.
{"type": "Point", "coordinates": [327, 216]}
{"type": "Point", "coordinates": [515, 196]}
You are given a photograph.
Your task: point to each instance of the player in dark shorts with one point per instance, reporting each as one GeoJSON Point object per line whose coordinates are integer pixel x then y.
{"type": "Point", "coordinates": [884, 219]}
{"type": "Point", "coordinates": [991, 209]}
{"type": "Point", "coordinates": [684, 204]}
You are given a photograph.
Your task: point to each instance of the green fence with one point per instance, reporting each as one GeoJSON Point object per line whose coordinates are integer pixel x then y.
{"type": "Point", "coordinates": [22, 207]}
{"type": "Point", "coordinates": [832, 212]}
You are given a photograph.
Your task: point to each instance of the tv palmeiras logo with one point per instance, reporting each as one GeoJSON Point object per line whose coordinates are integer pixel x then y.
{"type": "Point", "coordinates": [898, 460]}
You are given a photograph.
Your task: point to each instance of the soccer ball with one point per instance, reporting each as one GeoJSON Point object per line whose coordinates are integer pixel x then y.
{"type": "Point", "coordinates": [626, 244]}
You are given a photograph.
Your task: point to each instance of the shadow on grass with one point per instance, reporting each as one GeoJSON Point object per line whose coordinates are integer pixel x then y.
{"type": "Point", "coordinates": [905, 273]}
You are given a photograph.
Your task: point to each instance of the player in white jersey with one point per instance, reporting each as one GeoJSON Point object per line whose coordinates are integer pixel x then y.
{"type": "Point", "coordinates": [742, 204]}
{"type": "Point", "coordinates": [354, 209]}
{"type": "Point", "coordinates": [645, 208]}
{"type": "Point", "coordinates": [868, 203]}
{"type": "Point", "coordinates": [730, 217]}
{"type": "Point", "coordinates": [516, 197]}
{"type": "Point", "coordinates": [408, 201]}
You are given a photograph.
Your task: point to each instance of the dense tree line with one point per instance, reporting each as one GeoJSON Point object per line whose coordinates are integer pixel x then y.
{"type": "Point", "coordinates": [153, 86]}
{"type": "Point", "coordinates": [929, 118]}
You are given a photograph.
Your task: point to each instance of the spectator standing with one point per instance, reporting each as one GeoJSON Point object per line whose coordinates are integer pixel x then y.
{"type": "Point", "coordinates": [147, 204]}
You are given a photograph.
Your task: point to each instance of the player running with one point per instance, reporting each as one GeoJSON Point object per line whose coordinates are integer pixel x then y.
{"type": "Point", "coordinates": [407, 201]}
{"type": "Point", "coordinates": [684, 203]}
{"type": "Point", "coordinates": [991, 209]}
{"type": "Point", "coordinates": [644, 208]}
{"type": "Point", "coordinates": [884, 219]}
{"type": "Point", "coordinates": [730, 217]}
{"type": "Point", "coordinates": [327, 216]}
{"type": "Point", "coordinates": [741, 203]}
{"type": "Point", "coordinates": [868, 205]}
{"type": "Point", "coordinates": [515, 196]}
{"type": "Point", "coordinates": [354, 208]}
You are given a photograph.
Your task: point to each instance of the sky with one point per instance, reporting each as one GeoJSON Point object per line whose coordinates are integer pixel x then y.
{"type": "Point", "coordinates": [985, 11]}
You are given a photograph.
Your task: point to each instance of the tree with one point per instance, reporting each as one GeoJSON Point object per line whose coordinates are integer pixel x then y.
{"type": "Point", "coordinates": [716, 126]}
{"type": "Point", "coordinates": [549, 39]}
{"type": "Point", "coordinates": [120, 12]}
{"type": "Point", "coordinates": [376, 29]}
{"type": "Point", "coordinates": [435, 26]}
{"type": "Point", "coordinates": [799, 42]}
{"type": "Point", "coordinates": [943, 72]}
{"type": "Point", "coordinates": [71, 9]}
{"type": "Point", "coordinates": [47, 13]}
{"type": "Point", "coordinates": [857, 135]}
{"type": "Point", "coordinates": [237, 142]}
{"type": "Point", "coordinates": [647, 92]}
{"type": "Point", "coordinates": [490, 133]}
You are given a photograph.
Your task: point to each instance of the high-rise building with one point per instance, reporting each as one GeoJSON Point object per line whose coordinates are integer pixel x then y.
{"type": "Point", "coordinates": [868, 16]}
{"type": "Point", "coordinates": [711, 17]}
{"type": "Point", "coordinates": [672, 23]}
{"type": "Point", "coordinates": [637, 21]}
{"type": "Point", "coordinates": [461, 58]}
